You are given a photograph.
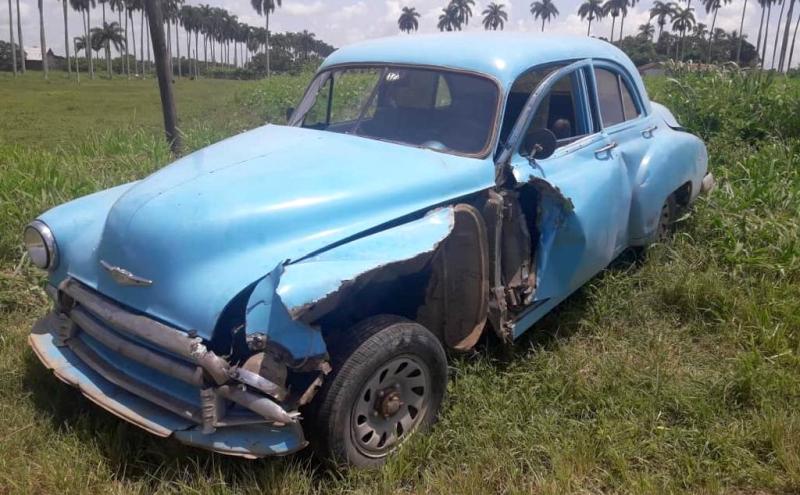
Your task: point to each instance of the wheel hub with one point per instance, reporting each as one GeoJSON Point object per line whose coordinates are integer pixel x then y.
{"type": "Point", "coordinates": [390, 405]}
{"type": "Point", "coordinates": [389, 402]}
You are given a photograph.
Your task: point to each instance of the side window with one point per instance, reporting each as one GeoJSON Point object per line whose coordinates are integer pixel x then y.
{"type": "Point", "coordinates": [608, 97]}
{"type": "Point", "coordinates": [628, 105]}
{"type": "Point", "coordinates": [561, 111]}
{"type": "Point", "coordinates": [518, 96]}
{"type": "Point", "coordinates": [614, 98]}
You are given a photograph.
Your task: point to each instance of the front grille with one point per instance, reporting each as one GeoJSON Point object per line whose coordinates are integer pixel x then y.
{"type": "Point", "coordinates": [144, 357]}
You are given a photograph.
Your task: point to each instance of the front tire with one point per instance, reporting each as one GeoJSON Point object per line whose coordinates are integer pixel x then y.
{"type": "Point", "coordinates": [388, 381]}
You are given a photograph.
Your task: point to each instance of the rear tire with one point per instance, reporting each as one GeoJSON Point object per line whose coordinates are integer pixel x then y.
{"type": "Point", "coordinates": [666, 218]}
{"type": "Point", "coordinates": [388, 381]}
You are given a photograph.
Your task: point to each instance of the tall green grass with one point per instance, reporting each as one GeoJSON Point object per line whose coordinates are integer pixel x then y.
{"type": "Point", "coordinates": [678, 374]}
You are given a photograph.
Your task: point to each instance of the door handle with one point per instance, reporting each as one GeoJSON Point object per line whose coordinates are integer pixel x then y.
{"type": "Point", "coordinates": [648, 133]}
{"type": "Point", "coordinates": [605, 149]}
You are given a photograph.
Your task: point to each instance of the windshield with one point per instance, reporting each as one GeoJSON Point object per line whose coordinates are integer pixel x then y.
{"type": "Point", "coordinates": [433, 108]}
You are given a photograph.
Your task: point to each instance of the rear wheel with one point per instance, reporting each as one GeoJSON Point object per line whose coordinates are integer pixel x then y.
{"type": "Point", "coordinates": [388, 381]}
{"type": "Point", "coordinates": [666, 218]}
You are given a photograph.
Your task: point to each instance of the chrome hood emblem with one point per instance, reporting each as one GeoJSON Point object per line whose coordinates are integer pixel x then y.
{"type": "Point", "coordinates": [124, 277]}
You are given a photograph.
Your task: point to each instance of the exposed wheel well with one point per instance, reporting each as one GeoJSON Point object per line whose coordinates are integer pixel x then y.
{"type": "Point", "coordinates": [683, 195]}
{"type": "Point", "coordinates": [445, 290]}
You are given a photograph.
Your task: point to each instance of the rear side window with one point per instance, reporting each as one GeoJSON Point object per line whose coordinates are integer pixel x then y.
{"type": "Point", "coordinates": [614, 98]}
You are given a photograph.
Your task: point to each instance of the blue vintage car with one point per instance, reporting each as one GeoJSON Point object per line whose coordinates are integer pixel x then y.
{"type": "Point", "coordinates": [304, 280]}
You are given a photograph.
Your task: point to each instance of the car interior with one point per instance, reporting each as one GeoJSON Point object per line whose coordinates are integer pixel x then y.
{"type": "Point", "coordinates": [557, 112]}
{"type": "Point", "coordinates": [436, 109]}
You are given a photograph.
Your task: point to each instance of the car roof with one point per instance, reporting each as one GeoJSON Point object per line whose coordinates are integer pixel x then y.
{"type": "Point", "coordinates": [502, 55]}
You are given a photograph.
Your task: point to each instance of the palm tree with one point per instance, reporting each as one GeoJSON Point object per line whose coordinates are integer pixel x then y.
{"type": "Point", "coordinates": [661, 11]}
{"type": "Point", "coordinates": [646, 31]}
{"type": "Point", "coordinates": [175, 18]}
{"type": "Point", "coordinates": [103, 3]}
{"type": "Point", "coordinates": [631, 4]}
{"type": "Point", "coordinates": [104, 37]}
{"type": "Point", "coordinates": [186, 15]}
{"type": "Point", "coordinates": [591, 9]}
{"type": "Point", "coordinates": [119, 6]}
{"type": "Point", "coordinates": [785, 42]}
{"type": "Point", "coordinates": [700, 30]}
{"type": "Point", "coordinates": [766, 32]}
{"type": "Point", "coordinates": [448, 19]}
{"type": "Point", "coordinates": [741, 35]}
{"type": "Point", "coordinates": [614, 8]}
{"type": "Point", "coordinates": [544, 10]}
{"type": "Point", "coordinates": [132, 6]}
{"type": "Point", "coordinates": [11, 36]}
{"type": "Point", "coordinates": [66, 37]}
{"type": "Point", "coordinates": [794, 40]}
{"type": "Point", "coordinates": [407, 21]}
{"type": "Point", "coordinates": [265, 8]}
{"type": "Point", "coordinates": [169, 10]}
{"type": "Point", "coordinates": [190, 18]}
{"type": "Point", "coordinates": [713, 6]}
{"type": "Point", "coordinates": [763, 4]}
{"type": "Point", "coordinates": [494, 17]}
{"type": "Point", "coordinates": [463, 10]}
{"type": "Point", "coordinates": [682, 21]}
{"type": "Point", "coordinates": [21, 43]}
{"type": "Point", "coordinates": [41, 38]}
{"type": "Point", "coordinates": [85, 6]}
{"type": "Point", "coordinates": [777, 34]}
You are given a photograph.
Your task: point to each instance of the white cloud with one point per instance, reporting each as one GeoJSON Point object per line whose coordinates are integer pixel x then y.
{"type": "Point", "coordinates": [302, 9]}
{"type": "Point", "coordinates": [357, 9]}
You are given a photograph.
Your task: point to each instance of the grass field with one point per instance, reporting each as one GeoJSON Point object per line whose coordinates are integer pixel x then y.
{"type": "Point", "coordinates": [677, 374]}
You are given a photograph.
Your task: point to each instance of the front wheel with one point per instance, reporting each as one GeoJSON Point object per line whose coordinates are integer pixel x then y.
{"type": "Point", "coordinates": [388, 381]}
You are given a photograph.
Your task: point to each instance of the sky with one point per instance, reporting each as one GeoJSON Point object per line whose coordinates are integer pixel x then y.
{"type": "Point", "coordinates": [340, 22]}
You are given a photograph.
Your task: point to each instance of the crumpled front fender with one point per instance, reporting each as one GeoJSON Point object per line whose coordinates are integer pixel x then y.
{"type": "Point", "coordinates": [284, 302]}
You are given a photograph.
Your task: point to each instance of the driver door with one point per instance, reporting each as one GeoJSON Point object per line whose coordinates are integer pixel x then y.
{"type": "Point", "coordinates": [583, 226]}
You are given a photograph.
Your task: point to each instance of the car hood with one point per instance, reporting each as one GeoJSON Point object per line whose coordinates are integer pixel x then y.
{"type": "Point", "coordinates": [212, 223]}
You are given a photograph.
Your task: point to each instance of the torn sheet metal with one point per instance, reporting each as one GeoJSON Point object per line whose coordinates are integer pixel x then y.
{"type": "Point", "coordinates": [305, 283]}
{"type": "Point", "coordinates": [267, 315]}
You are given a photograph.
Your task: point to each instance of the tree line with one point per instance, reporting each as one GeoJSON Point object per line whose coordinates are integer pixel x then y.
{"type": "Point", "coordinates": [214, 39]}
{"type": "Point", "coordinates": [681, 43]}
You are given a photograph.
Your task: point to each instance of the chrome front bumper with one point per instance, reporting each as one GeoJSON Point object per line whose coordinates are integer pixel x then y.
{"type": "Point", "coordinates": [159, 378]}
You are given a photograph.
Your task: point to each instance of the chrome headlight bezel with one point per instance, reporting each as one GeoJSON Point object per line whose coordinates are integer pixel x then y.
{"type": "Point", "coordinates": [41, 245]}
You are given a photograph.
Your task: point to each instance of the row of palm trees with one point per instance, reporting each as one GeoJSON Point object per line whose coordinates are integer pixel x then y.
{"type": "Point", "coordinates": [681, 19]}
{"type": "Point", "coordinates": [455, 16]}
{"type": "Point", "coordinates": [224, 39]}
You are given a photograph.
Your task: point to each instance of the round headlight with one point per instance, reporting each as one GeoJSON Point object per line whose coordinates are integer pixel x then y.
{"type": "Point", "coordinates": [41, 245]}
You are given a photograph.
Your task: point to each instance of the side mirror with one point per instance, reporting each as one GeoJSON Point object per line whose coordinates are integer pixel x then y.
{"type": "Point", "coordinates": [539, 144]}
{"type": "Point", "coordinates": [289, 112]}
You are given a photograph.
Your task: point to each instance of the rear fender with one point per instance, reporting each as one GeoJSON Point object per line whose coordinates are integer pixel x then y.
{"type": "Point", "coordinates": [674, 159]}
